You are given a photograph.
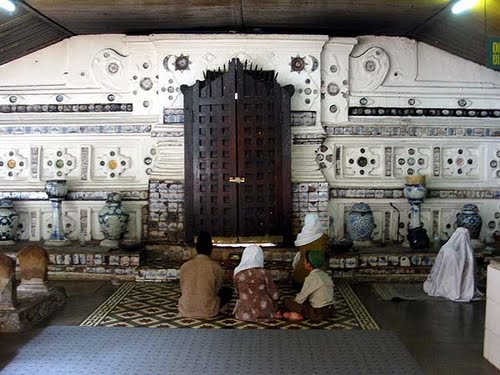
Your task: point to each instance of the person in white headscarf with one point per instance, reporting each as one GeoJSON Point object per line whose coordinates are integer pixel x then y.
{"type": "Point", "coordinates": [311, 237]}
{"type": "Point", "coordinates": [257, 293]}
{"type": "Point", "coordinates": [452, 275]}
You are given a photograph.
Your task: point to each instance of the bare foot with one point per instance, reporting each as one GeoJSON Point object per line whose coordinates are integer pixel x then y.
{"type": "Point", "coordinates": [291, 315]}
{"type": "Point", "coordinates": [278, 315]}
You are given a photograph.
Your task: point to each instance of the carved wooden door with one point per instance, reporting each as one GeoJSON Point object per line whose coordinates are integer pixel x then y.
{"type": "Point", "coordinates": [237, 155]}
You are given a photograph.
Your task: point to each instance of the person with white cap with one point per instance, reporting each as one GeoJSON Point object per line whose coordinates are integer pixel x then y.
{"type": "Point", "coordinates": [257, 293]}
{"type": "Point", "coordinates": [315, 300]}
{"type": "Point", "coordinates": [311, 237]}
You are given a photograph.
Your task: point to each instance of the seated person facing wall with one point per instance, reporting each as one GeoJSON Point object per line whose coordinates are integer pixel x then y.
{"type": "Point", "coordinates": [257, 293]}
{"type": "Point", "coordinates": [315, 300]}
{"type": "Point", "coordinates": [201, 279]}
{"type": "Point", "coordinates": [453, 274]}
{"type": "Point", "coordinates": [311, 237]}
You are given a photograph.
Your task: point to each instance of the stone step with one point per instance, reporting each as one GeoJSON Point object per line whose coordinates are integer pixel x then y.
{"type": "Point", "coordinates": [163, 269]}
{"type": "Point", "coordinates": [84, 262]}
{"type": "Point", "coordinates": [161, 262]}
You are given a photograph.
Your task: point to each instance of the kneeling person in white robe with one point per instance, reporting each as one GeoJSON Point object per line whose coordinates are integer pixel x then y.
{"type": "Point", "coordinates": [452, 275]}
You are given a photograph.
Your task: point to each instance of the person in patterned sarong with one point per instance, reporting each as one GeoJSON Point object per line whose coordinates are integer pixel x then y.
{"type": "Point", "coordinates": [257, 294]}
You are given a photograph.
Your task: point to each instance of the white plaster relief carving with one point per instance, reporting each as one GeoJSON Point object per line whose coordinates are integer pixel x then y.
{"type": "Point", "coordinates": [447, 211]}
{"type": "Point", "coordinates": [215, 52]}
{"type": "Point", "coordinates": [431, 77]}
{"type": "Point", "coordinates": [304, 166]}
{"type": "Point", "coordinates": [13, 165]}
{"type": "Point", "coordinates": [69, 220]}
{"type": "Point", "coordinates": [335, 79]}
{"type": "Point", "coordinates": [42, 211]}
{"type": "Point", "coordinates": [57, 163]}
{"type": "Point", "coordinates": [412, 161]}
{"type": "Point", "coordinates": [169, 164]}
{"type": "Point", "coordinates": [109, 68]}
{"type": "Point", "coordinates": [461, 162]}
{"type": "Point", "coordinates": [134, 150]}
{"type": "Point", "coordinates": [325, 157]}
{"type": "Point", "coordinates": [370, 67]}
{"type": "Point", "coordinates": [475, 172]}
{"type": "Point", "coordinates": [363, 161]}
{"type": "Point", "coordinates": [112, 163]}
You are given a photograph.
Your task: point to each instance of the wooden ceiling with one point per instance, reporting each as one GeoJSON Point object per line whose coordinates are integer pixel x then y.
{"type": "Point", "coordinates": [38, 23]}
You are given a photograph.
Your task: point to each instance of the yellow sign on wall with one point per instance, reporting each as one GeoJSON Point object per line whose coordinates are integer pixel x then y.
{"type": "Point", "coordinates": [493, 53]}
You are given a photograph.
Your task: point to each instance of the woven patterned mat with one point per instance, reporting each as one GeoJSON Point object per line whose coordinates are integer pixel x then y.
{"type": "Point", "coordinates": [155, 305]}
{"type": "Point", "coordinates": [130, 351]}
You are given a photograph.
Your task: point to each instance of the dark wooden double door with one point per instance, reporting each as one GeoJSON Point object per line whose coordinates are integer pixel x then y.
{"type": "Point", "coordinates": [237, 156]}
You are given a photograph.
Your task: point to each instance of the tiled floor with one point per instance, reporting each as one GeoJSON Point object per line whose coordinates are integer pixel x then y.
{"type": "Point", "coordinates": [444, 337]}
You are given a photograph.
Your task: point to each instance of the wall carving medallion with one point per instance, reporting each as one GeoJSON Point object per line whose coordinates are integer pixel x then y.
{"type": "Point", "coordinates": [182, 62]}
{"type": "Point", "coordinates": [12, 164]}
{"type": "Point", "coordinates": [108, 67]}
{"type": "Point", "coordinates": [460, 161]}
{"type": "Point", "coordinates": [146, 84]}
{"type": "Point", "coordinates": [59, 163]}
{"type": "Point", "coordinates": [325, 157]}
{"type": "Point", "coordinates": [361, 161]}
{"type": "Point", "coordinates": [411, 161]}
{"type": "Point", "coordinates": [297, 64]}
{"type": "Point", "coordinates": [112, 164]}
{"type": "Point", "coordinates": [370, 68]}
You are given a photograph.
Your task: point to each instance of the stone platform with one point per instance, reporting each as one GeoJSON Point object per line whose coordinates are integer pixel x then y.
{"type": "Point", "coordinates": [32, 308]}
{"type": "Point", "coordinates": [161, 262]}
{"type": "Point", "coordinates": [92, 262]}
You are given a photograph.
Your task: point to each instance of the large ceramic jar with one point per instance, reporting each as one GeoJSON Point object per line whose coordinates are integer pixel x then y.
{"type": "Point", "coordinates": [469, 218]}
{"type": "Point", "coordinates": [360, 222]}
{"type": "Point", "coordinates": [113, 220]}
{"type": "Point", "coordinates": [9, 221]}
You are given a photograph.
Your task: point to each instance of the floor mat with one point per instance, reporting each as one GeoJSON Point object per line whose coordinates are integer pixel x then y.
{"type": "Point", "coordinates": [155, 305]}
{"type": "Point", "coordinates": [60, 350]}
{"type": "Point", "coordinates": [402, 292]}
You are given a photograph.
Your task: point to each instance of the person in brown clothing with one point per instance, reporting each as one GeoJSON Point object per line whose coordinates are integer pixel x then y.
{"type": "Point", "coordinates": [201, 279]}
{"type": "Point", "coordinates": [311, 237]}
{"type": "Point", "coordinates": [257, 294]}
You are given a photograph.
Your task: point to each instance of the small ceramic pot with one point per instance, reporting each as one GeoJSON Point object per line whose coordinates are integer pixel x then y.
{"type": "Point", "coordinates": [9, 220]}
{"type": "Point", "coordinates": [113, 220]}
{"type": "Point", "coordinates": [469, 218]}
{"type": "Point", "coordinates": [360, 222]}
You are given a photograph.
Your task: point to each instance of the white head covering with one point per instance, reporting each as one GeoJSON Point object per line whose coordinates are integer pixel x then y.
{"type": "Point", "coordinates": [252, 257]}
{"type": "Point", "coordinates": [452, 275]}
{"type": "Point", "coordinates": [311, 231]}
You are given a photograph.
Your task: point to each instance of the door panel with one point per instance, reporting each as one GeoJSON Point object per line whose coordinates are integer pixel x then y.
{"type": "Point", "coordinates": [231, 138]}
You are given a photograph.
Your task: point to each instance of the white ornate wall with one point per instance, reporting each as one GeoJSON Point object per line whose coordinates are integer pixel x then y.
{"type": "Point", "coordinates": [406, 109]}
{"type": "Point", "coordinates": [105, 112]}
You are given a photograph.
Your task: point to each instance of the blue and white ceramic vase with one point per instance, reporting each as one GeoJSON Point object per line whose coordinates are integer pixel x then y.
{"type": "Point", "coordinates": [360, 222]}
{"type": "Point", "coordinates": [469, 218]}
{"type": "Point", "coordinates": [9, 220]}
{"type": "Point", "coordinates": [113, 220]}
{"type": "Point", "coordinates": [415, 191]}
{"type": "Point", "coordinates": [56, 191]}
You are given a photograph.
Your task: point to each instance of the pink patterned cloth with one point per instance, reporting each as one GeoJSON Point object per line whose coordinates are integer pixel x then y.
{"type": "Point", "coordinates": [257, 295]}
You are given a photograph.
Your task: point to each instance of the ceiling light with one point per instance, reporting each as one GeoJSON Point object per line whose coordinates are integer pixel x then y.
{"type": "Point", "coordinates": [7, 5]}
{"type": "Point", "coordinates": [462, 5]}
